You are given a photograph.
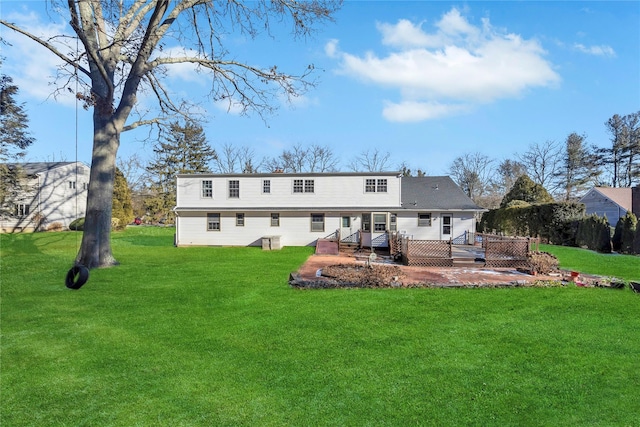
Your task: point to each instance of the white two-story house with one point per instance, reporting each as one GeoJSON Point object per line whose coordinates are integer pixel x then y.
{"type": "Point", "coordinates": [50, 193]}
{"type": "Point", "coordinates": [298, 209]}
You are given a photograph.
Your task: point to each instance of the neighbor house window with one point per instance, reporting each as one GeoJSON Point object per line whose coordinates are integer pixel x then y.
{"type": "Point", "coordinates": [424, 220]}
{"type": "Point", "coordinates": [366, 222]}
{"type": "Point", "coordinates": [393, 222]}
{"type": "Point", "coordinates": [317, 222]}
{"type": "Point", "coordinates": [72, 185]}
{"type": "Point", "coordinates": [266, 186]}
{"type": "Point", "coordinates": [275, 220]}
{"type": "Point", "coordinates": [379, 222]}
{"type": "Point", "coordinates": [303, 186]}
{"type": "Point", "coordinates": [207, 188]}
{"type": "Point", "coordinates": [22, 209]}
{"type": "Point", "coordinates": [239, 220]}
{"type": "Point", "coordinates": [234, 189]}
{"type": "Point", "coordinates": [213, 222]}
{"type": "Point", "coordinates": [375, 185]}
{"type": "Point", "coordinates": [85, 186]}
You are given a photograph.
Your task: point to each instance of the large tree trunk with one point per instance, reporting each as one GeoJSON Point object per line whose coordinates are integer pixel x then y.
{"type": "Point", "coordinates": [95, 250]}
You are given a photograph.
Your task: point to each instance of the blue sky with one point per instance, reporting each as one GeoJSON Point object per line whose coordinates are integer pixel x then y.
{"type": "Point", "coordinates": [424, 81]}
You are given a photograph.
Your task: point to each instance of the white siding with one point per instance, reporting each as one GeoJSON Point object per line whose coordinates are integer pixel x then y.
{"type": "Point", "coordinates": [52, 197]}
{"type": "Point", "coordinates": [294, 229]}
{"type": "Point", "coordinates": [461, 223]}
{"type": "Point", "coordinates": [329, 191]}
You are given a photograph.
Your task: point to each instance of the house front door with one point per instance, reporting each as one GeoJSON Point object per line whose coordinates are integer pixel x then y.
{"type": "Point", "coordinates": [447, 227]}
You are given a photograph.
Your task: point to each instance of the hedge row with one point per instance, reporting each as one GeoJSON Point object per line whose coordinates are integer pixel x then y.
{"type": "Point", "coordinates": [563, 224]}
{"type": "Point", "coordinates": [554, 222]}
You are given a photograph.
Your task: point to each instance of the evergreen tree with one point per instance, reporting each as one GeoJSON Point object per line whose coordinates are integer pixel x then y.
{"type": "Point", "coordinates": [14, 139]}
{"type": "Point", "coordinates": [184, 149]}
{"type": "Point", "coordinates": [122, 208]}
{"type": "Point", "coordinates": [580, 166]}
{"type": "Point", "coordinates": [528, 191]}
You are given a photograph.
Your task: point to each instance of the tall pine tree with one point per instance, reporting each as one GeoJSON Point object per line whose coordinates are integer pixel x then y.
{"type": "Point", "coordinates": [183, 149]}
{"type": "Point", "coordinates": [14, 139]}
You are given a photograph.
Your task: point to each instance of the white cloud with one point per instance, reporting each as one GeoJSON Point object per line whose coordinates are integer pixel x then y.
{"type": "Point", "coordinates": [457, 64]}
{"type": "Point", "coordinates": [602, 50]}
{"type": "Point", "coordinates": [414, 111]}
{"type": "Point", "coordinates": [32, 67]}
{"type": "Point", "coordinates": [331, 48]}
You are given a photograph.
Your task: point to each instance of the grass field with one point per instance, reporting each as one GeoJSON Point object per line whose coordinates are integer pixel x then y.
{"type": "Point", "coordinates": [216, 337]}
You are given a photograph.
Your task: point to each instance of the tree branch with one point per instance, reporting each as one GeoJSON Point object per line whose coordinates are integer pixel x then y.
{"type": "Point", "coordinates": [47, 45]}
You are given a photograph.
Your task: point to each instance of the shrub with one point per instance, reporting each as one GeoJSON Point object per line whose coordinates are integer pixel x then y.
{"type": "Point", "coordinates": [543, 262]}
{"type": "Point", "coordinates": [594, 232]}
{"type": "Point", "coordinates": [115, 224]}
{"type": "Point", "coordinates": [77, 224]}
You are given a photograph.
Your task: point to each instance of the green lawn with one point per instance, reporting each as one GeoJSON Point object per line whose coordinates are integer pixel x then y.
{"type": "Point", "coordinates": [216, 337]}
{"type": "Point", "coordinates": [625, 267]}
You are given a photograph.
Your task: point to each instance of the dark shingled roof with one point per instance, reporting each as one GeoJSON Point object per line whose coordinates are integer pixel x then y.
{"type": "Point", "coordinates": [434, 193]}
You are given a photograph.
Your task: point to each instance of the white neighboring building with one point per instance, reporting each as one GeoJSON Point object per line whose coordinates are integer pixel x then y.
{"type": "Point", "coordinates": [298, 209]}
{"type": "Point", "coordinates": [55, 192]}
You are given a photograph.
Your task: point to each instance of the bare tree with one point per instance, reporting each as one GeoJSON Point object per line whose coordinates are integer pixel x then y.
{"type": "Point", "coordinates": [542, 162]}
{"type": "Point", "coordinates": [235, 159]}
{"type": "Point", "coordinates": [315, 158]}
{"type": "Point", "coordinates": [474, 173]}
{"type": "Point", "coordinates": [122, 51]}
{"type": "Point", "coordinates": [370, 161]}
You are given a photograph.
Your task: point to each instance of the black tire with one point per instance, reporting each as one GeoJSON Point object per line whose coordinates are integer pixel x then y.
{"type": "Point", "coordinates": [77, 276]}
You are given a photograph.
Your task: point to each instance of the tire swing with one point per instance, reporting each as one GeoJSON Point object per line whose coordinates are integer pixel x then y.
{"type": "Point", "coordinates": [77, 276]}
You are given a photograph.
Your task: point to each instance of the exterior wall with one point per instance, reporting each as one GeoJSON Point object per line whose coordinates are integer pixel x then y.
{"type": "Point", "coordinates": [294, 229]}
{"type": "Point", "coordinates": [51, 199]}
{"type": "Point", "coordinates": [461, 222]}
{"type": "Point", "coordinates": [334, 195]}
{"type": "Point", "coordinates": [596, 203]}
{"type": "Point", "coordinates": [329, 191]}
{"type": "Point", "coordinates": [58, 201]}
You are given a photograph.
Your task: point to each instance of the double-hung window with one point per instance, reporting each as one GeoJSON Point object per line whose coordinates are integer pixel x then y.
{"type": "Point", "coordinates": [72, 185]}
{"type": "Point", "coordinates": [275, 220]}
{"type": "Point", "coordinates": [424, 220]}
{"type": "Point", "coordinates": [266, 186]}
{"type": "Point", "coordinates": [234, 189]}
{"type": "Point", "coordinates": [375, 185]}
{"type": "Point", "coordinates": [303, 185]}
{"type": "Point", "coordinates": [317, 222]}
{"type": "Point", "coordinates": [213, 222]}
{"type": "Point", "coordinates": [379, 222]}
{"type": "Point", "coordinates": [207, 188]}
{"type": "Point", "coordinates": [239, 220]}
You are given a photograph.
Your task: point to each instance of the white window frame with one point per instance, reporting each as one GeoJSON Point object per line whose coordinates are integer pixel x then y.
{"type": "Point", "coordinates": [234, 188]}
{"type": "Point", "coordinates": [425, 222]}
{"type": "Point", "coordinates": [317, 226]}
{"type": "Point", "coordinates": [381, 185]}
{"type": "Point", "coordinates": [369, 185]}
{"type": "Point", "coordinates": [376, 223]}
{"type": "Point", "coordinates": [393, 222]}
{"type": "Point", "coordinates": [239, 220]}
{"type": "Point", "coordinates": [72, 185]}
{"type": "Point", "coordinates": [298, 186]}
{"type": "Point", "coordinates": [212, 220]}
{"type": "Point", "coordinates": [206, 189]}
{"type": "Point", "coordinates": [266, 186]}
{"type": "Point", "coordinates": [275, 219]}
